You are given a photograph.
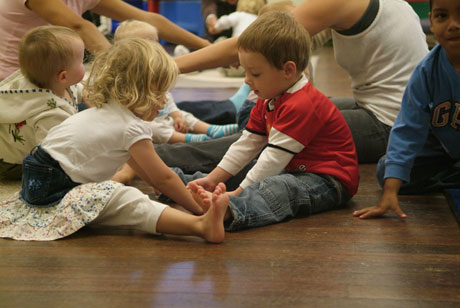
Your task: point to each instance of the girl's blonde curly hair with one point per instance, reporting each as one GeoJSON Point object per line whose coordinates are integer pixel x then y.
{"type": "Point", "coordinates": [135, 73]}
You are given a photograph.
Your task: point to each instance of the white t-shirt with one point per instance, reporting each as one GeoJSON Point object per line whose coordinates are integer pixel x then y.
{"type": "Point", "coordinates": [381, 59]}
{"type": "Point", "coordinates": [93, 144]}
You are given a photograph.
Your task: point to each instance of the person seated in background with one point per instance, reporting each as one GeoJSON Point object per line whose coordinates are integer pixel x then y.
{"type": "Point", "coordinates": [246, 12]}
{"type": "Point", "coordinates": [211, 10]}
{"type": "Point", "coordinates": [424, 148]}
{"type": "Point", "coordinates": [22, 15]}
{"type": "Point", "coordinates": [43, 93]}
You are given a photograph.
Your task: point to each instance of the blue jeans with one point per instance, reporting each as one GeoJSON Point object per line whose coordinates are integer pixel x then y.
{"type": "Point", "coordinates": [242, 117]}
{"type": "Point", "coordinates": [44, 183]}
{"type": "Point", "coordinates": [428, 174]}
{"type": "Point", "coordinates": [280, 197]}
{"type": "Point", "coordinates": [369, 134]}
{"type": "Point", "coordinates": [213, 112]}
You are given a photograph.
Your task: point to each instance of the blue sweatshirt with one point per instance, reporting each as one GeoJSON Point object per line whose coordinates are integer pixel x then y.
{"type": "Point", "coordinates": [430, 108]}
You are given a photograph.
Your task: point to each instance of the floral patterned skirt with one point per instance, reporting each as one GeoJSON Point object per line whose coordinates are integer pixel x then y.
{"type": "Point", "coordinates": [79, 207]}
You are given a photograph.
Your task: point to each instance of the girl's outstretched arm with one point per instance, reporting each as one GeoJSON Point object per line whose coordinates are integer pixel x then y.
{"type": "Point", "coordinates": [149, 166]}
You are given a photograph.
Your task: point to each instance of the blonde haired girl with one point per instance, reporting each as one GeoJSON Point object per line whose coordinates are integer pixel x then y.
{"type": "Point", "coordinates": [127, 85]}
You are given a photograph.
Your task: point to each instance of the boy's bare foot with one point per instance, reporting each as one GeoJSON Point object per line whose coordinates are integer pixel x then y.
{"type": "Point", "coordinates": [213, 220]}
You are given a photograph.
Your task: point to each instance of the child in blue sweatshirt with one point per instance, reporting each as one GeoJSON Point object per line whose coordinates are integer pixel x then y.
{"type": "Point", "coordinates": [424, 147]}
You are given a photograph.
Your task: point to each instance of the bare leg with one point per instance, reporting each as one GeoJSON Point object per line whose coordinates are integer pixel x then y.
{"type": "Point", "coordinates": [200, 128]}
{"type": "Point", "coordinates": [209, 226]}
{"type": "Point", "coordinates": [176, 137]}
{"type": "Point", "coordinates": [125, 175]}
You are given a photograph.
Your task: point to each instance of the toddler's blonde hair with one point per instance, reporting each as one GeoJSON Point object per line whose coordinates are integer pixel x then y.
{"type": "Point", "coordinates": [44, 52]}
{"type": "Point", "coordinates": [133, 72]}
{"type": "Point", "coordinates": [284, 5]}
{"type": "Point", "coordinates": [136, 28]}
{"type": "Point", "coordinates": [279, 38]}
{"type": "Point", "coordinates": [250, 6]}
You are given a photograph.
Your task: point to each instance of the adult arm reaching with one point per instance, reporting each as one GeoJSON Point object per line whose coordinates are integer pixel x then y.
{"type": "Point", "coordinates": [314, 15]}
{"type": "Point", "coordinates": [58, 13]}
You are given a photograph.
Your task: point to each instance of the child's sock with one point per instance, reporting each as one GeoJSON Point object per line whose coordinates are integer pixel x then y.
{"type": "Point", "coordinates": [195, 138]}
{"type": "Point", "coordinates": [217, 131]}
{"type": "Point", "coordinates": [238, 98]}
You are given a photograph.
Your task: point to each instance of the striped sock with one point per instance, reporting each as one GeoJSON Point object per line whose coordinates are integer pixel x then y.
{"type": "Point", "coordinates": [195, 138]}
{"type": "Point", "coordinates": [217, 131]}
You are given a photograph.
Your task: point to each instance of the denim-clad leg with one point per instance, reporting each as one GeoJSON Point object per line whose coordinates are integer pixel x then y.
{"type": "Point", "coordinates": [242, 117]}
{"type": "Point", "coordinates": [284, 196]}
{"type": "Point", "coordinates": [428, 174]}
{"type": "Point", "coordinates": [213, 112]}
{"type": "Point", "coordinates": [44, 183]}
{"type": "Point", "coordinates": [369, 134]}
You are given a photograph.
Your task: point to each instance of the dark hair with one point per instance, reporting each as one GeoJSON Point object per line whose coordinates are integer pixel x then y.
{"type": "Point", "coordinates": [431, 4]}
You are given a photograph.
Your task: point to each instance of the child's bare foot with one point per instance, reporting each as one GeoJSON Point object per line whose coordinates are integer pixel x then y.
{"type": "Point", "coordinates": [213, 220]}
{"type": "Point", "coordinates": [201, 196]}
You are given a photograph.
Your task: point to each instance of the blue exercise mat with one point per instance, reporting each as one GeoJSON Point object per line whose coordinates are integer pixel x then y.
{"type": "Point", "coordinates": [453, 199]}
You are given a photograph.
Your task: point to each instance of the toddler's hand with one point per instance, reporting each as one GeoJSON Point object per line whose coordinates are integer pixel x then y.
{"type": "Point", "coordinates": [180, 125]}
{"type": "Point", "coordinates": [211, 21]}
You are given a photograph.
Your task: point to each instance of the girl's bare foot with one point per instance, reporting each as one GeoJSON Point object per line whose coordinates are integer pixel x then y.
{"type": "Point", "coordinates": [213, 220]}
{"type": "Point", "coordinates": [201, 196]}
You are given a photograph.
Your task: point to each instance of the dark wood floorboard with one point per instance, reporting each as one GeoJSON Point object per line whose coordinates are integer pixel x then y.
{"type": "Point", "coordinates": [326, 260]}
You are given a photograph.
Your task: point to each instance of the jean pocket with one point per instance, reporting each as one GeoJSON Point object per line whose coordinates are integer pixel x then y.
{"type": "Point", "coordinates": [36, 183]}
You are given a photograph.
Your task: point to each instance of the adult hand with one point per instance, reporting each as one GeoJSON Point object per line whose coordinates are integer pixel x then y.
{"type": "Point", "coordinates": [57, 13]}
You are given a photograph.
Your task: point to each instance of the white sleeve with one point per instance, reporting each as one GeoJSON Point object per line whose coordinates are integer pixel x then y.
{"type": "Point", "coordinates": [223, 23]}
{"type": "Point", "coordinates": [138, 130]}
{"type": "Point", "coordinates": [276, 156]}
{"type": "Point", "coordinates": [244, 150]}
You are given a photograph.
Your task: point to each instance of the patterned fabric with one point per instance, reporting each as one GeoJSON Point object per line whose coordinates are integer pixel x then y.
{"type": "Point", "coordinates": [78, 208]}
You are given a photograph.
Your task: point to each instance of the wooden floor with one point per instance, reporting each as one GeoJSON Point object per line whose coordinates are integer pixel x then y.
{"type": "Point", "coordinates": [326, 260]}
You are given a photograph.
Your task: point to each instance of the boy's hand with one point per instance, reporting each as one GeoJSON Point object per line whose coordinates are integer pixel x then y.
{"type": "Point", "coordinates": [206, 183]}
{"type": "Point", "coordinates": [180, 126]}
{"type": "Point", "coordinates": [388, 202]}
